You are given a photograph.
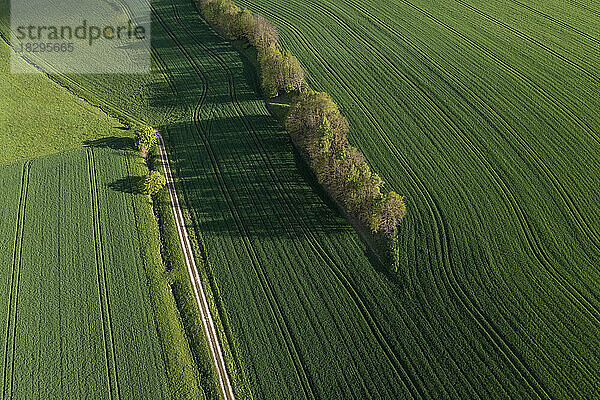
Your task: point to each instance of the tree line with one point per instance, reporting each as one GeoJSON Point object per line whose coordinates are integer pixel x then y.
{"type": "Point", "coordinates": [314, 121]}
{"type": "Point", "coordinates": [281, 72]}
{"type": "Point", "coordinates": [145, 142]}
{"type": "Point", "coordinates": [319, 129]}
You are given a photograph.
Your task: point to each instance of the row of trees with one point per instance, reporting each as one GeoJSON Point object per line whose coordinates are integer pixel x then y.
{"type": "Point", "coordinates": [145, 140]}
{"type": "Point", "coordinates": [235, 23]}
{"type": "Point", "coordinates": [317, 126]}
{"type": "Point", "coordinates": [314, 121]}
{"type": "Point", "coordinates": [280, 70]}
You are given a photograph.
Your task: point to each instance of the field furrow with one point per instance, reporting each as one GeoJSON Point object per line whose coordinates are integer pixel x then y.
{"type": "Point", "coordinates": [13, 296]}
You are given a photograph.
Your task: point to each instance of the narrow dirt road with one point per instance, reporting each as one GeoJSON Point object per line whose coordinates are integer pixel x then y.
{"type": "Point", "coordinates": [207, 320]}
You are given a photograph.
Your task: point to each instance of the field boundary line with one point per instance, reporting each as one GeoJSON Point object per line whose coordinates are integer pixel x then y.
{"type": "Point", "coordinates": [207, 320]}
{"type": "Point", "coordinates": [102, 259]}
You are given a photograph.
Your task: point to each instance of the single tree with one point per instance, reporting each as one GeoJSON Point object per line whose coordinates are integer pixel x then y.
{"type": "Point", "coordinates": [264, 34]}
{"type": "Point", "coordinates": [388, 213]}
{"type": "Point", "coordinates": [145, 138]}
{"type": "Point", "coordinates": [294, 73]}
{"type": "Point", "coordinates": [271, 67]}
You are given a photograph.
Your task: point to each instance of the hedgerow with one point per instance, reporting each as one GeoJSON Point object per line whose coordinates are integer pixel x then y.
{"type": "Point", "coordinates": [318, 128]}
{"type": "Point", "coordinates": [154, 182]}
{"type": "Point", "coordinates": [280, 70]}
{"type": "Point", "coordinates": [314, 122]}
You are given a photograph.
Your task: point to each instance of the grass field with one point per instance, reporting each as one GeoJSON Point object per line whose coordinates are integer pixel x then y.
{"type": "Point", "coordinates": [483, 115]}
{"type": "Point", "coordinates": [74, 291]}
{"type": "Point", "coordinates": [40, 118]}
{"type": "Point", "coordinates": [74, 309]}
{"type": "Point", "coordinates": [303, 312]}
{"type": "Point", "coordinates": [287, 273]}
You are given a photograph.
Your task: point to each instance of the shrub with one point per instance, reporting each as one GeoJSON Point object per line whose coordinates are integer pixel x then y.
{"type": "Point", "coordinates": [154, 182]}
{"type": "Point", "coordinates": [223, 14]}
{"type": "Point", "coordinates": [270, 61]}
{"type": "Point", "coordinates": [280, 71]}
{"type": "Point", "coordinates": [145, 138]}
{"type": "Point", "coordinates": [294, 72]}
{"type": "Point", "coordinates": [246, 22]}
{"type": "Point", "coordinates": [307, 113]}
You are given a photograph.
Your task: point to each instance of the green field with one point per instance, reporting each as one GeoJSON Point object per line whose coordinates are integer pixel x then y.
{"type": "Point", "coordinates": [74, 290]}
{"type": "Point", "coordinates": [485, 116]}
{"type": "Point", "coordinates": [303, 312]}
{"type": "Point", "coordinates": [40, 118]}
{"type": "Point", "coordinates": [290, 276]}
{"type": "Point", "coordinates": [61, 341]}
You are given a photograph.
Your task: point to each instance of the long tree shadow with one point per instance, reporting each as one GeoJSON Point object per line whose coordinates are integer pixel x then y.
{"type": "Point", "coordinates": [232, 158]}
{"type": "Point", "coordinates": [231, 178]}
{"type": "Point", "coordinates": [129, 184]}
{"type": "Point", "coordinates": [112, 142]}
{"type": "Point", "coordinates": [240, 176]}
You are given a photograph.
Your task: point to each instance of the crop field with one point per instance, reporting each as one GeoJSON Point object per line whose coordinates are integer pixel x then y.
{"type": "Point", "coordinates": [290, 277]}
{"type": "Point", "coordinates": [486, 116]}
{"type": "Point", "coordinates": [304, 312]}
{"type": "Point", "coordinates": [38, 117]}
{"type": "Point", "coordinates": [74, 309]}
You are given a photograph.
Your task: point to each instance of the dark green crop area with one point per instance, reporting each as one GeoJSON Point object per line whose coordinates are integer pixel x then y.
{"type": "Point", "coordinates": [73, 292]}
{"type": "Point", "coordinates": [486, 115]}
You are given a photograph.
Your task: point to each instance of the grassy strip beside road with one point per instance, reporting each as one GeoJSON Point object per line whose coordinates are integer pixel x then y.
{"type": "Point", "coordinates": [186, 378]}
